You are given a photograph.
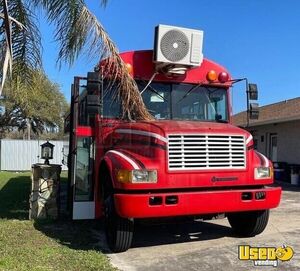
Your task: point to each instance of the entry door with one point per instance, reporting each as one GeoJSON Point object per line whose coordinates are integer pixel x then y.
{"type": "Point", "coordinates": [83, 193]}
{"type": "Point", "coordinates": [273, 147]}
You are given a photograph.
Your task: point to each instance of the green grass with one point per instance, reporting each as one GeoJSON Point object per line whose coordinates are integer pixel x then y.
{"type": "Point", "coordinates": [43, 245]}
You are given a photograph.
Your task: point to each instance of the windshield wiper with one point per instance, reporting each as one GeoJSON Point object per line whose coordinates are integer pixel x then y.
{"type": "Point", "coordinates": [188, 93]}
{"type": "Point", "coordinates": [155, 91]}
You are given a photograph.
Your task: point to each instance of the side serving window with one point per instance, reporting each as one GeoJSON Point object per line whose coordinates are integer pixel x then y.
{"type": "Point", "coordinates": [111, 103]}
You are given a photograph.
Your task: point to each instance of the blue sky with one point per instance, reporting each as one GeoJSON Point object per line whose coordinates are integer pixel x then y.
{"type": "Point", "coordinates": [257, 39]}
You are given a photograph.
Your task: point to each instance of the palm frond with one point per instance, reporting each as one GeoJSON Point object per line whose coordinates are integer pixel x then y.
{"type": "Point", "coordinates": [19, 33]}
{"type": "Point", "coordinates": [27, 45]}
{"type": "Point", "coordinates": [78, 30]}
{"type": "Point", "coordinates": [98, 41]}
{"type": "Point", "coordinates": [8, 30]}
{"type": "Point", "coordinates": [7, 59]}
{"type": "Point", "coordinates": [13, 20]}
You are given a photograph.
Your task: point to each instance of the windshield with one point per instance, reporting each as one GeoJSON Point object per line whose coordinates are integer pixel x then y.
{"type": "Point", "coordinates": [185, 101]}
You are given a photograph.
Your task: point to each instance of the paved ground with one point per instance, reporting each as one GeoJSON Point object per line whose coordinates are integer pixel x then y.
{"type": "Point", "coordinates": [211, 245]}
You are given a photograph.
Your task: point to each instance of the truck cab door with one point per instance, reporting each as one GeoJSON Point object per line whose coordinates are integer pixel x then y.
{"type": "Point", "coordinates": [83, 199]}
{"type": "Point", "coordinates": [81, 155]}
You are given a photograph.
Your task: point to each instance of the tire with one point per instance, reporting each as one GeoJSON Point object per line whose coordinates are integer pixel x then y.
{"type": "Point", "coordinates": [248, 224]}
{"type": "Point", "coordinates": [118, 230]}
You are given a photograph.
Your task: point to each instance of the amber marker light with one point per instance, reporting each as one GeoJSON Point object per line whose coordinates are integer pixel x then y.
{"type": "Point", "coordinates": [123, 176]}
{"type": "Point", "coordinates": [129, 68]}
{"type": "Point", "coordinates": [211, 76]}
{"type": "Point", "coordinates": [223, 77]}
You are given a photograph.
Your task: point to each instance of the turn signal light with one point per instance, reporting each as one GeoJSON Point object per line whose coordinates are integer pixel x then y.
{"type": "Point", "coordinates": [136, 176]}
{"type": "Point", "coordinates": [123, 176]}
{"type": "Point", "coordinates": [211, 76]}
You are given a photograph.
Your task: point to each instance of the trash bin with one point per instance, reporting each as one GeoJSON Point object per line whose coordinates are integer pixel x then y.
{"type": "Point", "coordinates": [281, 171]}
{"type": "Point", "coordinates": [295, 169]}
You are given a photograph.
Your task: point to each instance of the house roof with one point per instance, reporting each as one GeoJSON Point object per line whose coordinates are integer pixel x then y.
{"type": "Point", "coordinates": [287, 110]}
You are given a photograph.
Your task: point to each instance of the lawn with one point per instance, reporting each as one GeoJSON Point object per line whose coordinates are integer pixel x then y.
{"type": "Point", "coordinates": [43, 245]}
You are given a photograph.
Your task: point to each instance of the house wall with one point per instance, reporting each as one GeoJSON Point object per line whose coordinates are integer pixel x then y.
{"type": "Point", "coordinates": [288, 140]}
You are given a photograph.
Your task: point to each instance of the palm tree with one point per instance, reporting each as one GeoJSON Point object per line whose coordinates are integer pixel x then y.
{"type": "Point", "coordinates": [77, 31]}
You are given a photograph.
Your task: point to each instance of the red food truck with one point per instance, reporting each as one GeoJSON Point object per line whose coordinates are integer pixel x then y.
{"type": "Point", "coordinates": [189, 161]}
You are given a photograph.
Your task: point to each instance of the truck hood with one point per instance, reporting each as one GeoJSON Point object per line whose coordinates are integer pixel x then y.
{"type": "Point", "coordinates": [165, 127]}
{"type": "Point", "coordinates": [148, 144]}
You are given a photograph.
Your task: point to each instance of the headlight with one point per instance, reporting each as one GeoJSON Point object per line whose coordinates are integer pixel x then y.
{"type": "Point", "coordinates": [144, 176]}
{"type": "Point", "coordinates": [137, 176]}
{"type": "Point", "coordinates": [262, 173]}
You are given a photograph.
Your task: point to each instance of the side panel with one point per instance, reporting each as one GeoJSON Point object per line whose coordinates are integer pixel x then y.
{"type": "Point", "coordinates": [84, 210]}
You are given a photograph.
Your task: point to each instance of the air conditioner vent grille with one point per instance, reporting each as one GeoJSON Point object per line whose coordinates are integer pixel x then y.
{"type": "Point", "coordinates": [174, 45]}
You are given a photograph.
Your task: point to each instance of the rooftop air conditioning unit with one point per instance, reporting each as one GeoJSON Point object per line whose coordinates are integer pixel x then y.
{"type": "Point", "coordinates": [177, 46]}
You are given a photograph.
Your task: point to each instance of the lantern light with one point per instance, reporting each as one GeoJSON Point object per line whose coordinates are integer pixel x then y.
{"type": "Point", "coordinates": [211, 76]}
{"type": "Point", "coordinates": [47, 151]}
{"type": "Point", "coordinates": [223, 77]}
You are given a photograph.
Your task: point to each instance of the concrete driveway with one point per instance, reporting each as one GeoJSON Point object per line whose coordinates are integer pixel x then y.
{"type": "Point", "coordinates": [211, 245]}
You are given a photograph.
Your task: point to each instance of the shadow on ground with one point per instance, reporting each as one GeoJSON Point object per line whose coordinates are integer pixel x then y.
{"type": "Point", "coordinates": [82, 235]}
{"type": "Point", "coordinates": [182, 232]}
{"type": "Point", "coordinates": [86, 235]}
{"type": "Point", "coordinates": [14, 198]}
{"type": "Point", "coordinates": [288, 186]}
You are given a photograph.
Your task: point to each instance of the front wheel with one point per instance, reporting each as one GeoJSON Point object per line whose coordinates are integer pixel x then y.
{"type": "Point", "coordinates": [248, 224]}
{"type": "Point", "coordinates": [119, 230]}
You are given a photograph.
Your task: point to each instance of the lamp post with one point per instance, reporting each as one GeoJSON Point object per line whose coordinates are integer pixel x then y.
{"type": "Point", "coordinates": [45, 194]}
{"type": "Point", "coordinates": [47, 152]}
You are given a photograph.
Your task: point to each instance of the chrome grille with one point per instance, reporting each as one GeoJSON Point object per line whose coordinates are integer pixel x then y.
{"type": "Point", "coordinates": [196, 151]}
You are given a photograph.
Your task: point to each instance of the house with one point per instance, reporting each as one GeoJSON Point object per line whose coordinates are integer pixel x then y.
{"type": "Point", "coordinates": [276, 133]}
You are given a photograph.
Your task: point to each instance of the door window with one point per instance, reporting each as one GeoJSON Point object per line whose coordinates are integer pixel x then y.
{"type": "Point", "coordinates": [84, 169]}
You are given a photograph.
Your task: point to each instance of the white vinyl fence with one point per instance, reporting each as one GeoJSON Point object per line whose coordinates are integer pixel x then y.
{"type": "Point", "coordinates": [19, 155]}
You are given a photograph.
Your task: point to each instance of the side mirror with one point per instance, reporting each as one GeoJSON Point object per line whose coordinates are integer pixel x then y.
{"type": "Point", "coordinates": [253, 111]}
{"type": "Point", "coordinates": [93, 104]}
{"type": "Point", "coordinates": [252, 108]}
{"type": "Point", "coordinates": [253, 93]}
{"type": "Point", "coordinates": [93, 83]}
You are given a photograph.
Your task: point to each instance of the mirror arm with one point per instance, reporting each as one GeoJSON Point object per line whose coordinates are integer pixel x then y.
{"type": "Point", "coordinates": [248, 106]}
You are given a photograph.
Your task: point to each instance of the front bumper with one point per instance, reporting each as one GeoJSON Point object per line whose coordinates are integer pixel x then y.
{"type": "Point", "coordinates": [195, 203]}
